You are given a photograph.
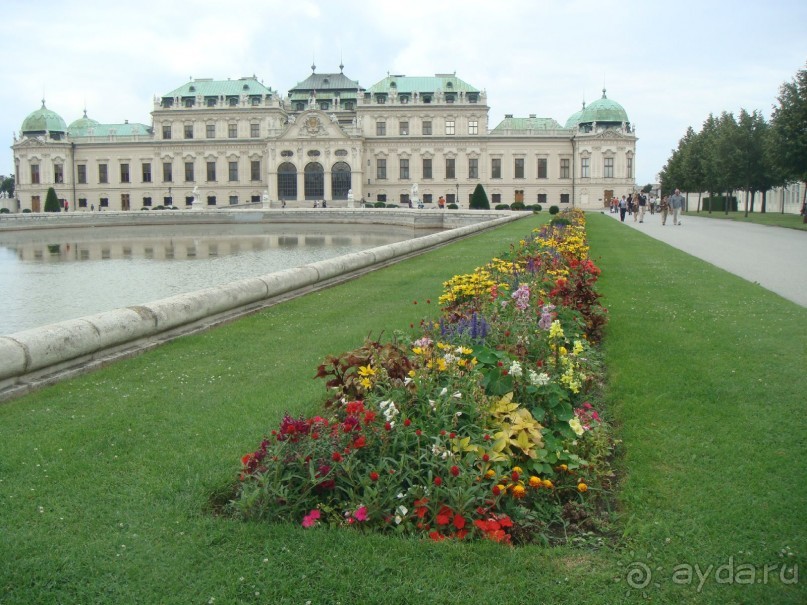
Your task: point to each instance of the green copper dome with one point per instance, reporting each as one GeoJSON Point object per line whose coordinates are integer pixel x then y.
{"type": "Point", "coordinates": [82, 125]}
{"type": "Point", "coordinates": [43, 120]}
{"type": "Point", "coordinates": [574, 119]}
{"type": "Point", "coordinates": [603, 110]}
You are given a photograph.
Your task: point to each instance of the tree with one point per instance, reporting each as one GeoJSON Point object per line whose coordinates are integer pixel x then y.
{"type": "Point", "coordinates": [479, 199]}
{"type": "Point", "coordinates": [647, 188]}
{"type": "Point", "coordinates": [789, 124]}
{"type": "Point", "coordinates": [7, 185]}
{"type": "Point", "coordinates": [52, 201]}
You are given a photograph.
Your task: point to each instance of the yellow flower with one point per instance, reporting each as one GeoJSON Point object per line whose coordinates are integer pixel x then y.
{"type": "Point", "coordinates": [547, 484]}
{"type": "Point", "coordinates": [562, 350]}
{"type": "Point", "coordinates": [517, 469]}
{"type": "Point", "coordinates": [366, 371]}
{"type": "Point", "coordinates": [490, 474]}
{"type": "Point", "coordinates": [367, 383]}
{"type": "Point", "coordinates": [519, 491]}
{"type": "Point", "coordinates": [412, 373]}
{"type": "Point", "coordinates": [535, 482]}
{"type": "Point", "coordinates": [581, 487]}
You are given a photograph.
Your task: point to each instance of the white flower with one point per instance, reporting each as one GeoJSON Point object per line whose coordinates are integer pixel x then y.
{"type": "Point", "coordinates": [576, 426]}
{"type": "Point", "coordinates": [457, 395]}
{"type": "Point", "coordinates": [539, 379]}
{"type": "Point", "coordinates": [407, 380]}
{"type": "Point", "coordinates": [398, 519]}
{"type": "Point", "coordinates": [402, 510]}
{"type": "Point", "coordinates": [433, 403]}
{"type": "Point", "coordinates": [444, 391]}
{"type": "Point", "coordinates": [515, 369]}
{"type": "Point", "coordinates": [401, 496]}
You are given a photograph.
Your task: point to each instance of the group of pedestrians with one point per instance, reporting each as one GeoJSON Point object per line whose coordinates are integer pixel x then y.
{"type": "Point", "coordinates": [636, 205]}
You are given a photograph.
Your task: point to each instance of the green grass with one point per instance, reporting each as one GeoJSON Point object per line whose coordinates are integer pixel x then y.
{"type": "Point", "coordinates": [774, 219]}
{"type": "Point", "coordinates": [105, 479]}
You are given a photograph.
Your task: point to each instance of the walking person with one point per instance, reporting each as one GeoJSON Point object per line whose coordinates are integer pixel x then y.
{"type": "Point", "coordinates": [664, 208]}
{"type": "Point", "coordinates": [642, 206]}
{"type": "Point", "coordinates": [623, 208]}
{"type": "Point", "coordinates": [635, 207]}
{"type": "Point", "coordinates": [676, 202]}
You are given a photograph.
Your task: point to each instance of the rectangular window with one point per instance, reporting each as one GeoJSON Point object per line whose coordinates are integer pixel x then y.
{"type": "Point", "coordinates": [58, 173]}
{"type": "Point", "coordinates": [542, 199]}
{"type": "Point", "coordinates": [188, 131]}
{"type": "Point", "coordinates": [451, 172]}
{"type": "Point", "coordinates": [103, 202]}
{"type": "Point", "coordinates": [564, 169]}
{"type": "Point", "coordinates": [381, 169]}
{"type": "Point", "coordinates": [189, 172]}
{"type": "Point", "coordinates": [404, 169]}
{"type": "Point", "coordinates": [518, 168]}
{"type": "Point", "coordinates": [124, 173]}
{"type": "Point", "coordinates": [473, 168]}
{"type": "Point", "coordinates": [473, 127]}
{"type": "Point", "coordinates": [564, 198]}
{"type": "Point", "coordinates": [82, 202]}
{"type": "Point", "coordinates": [210, 131]}
{"type": "Point", "coordinates": [542, 168]}
{"type": "Point", "coordinates": [427, 198]}
{"type": "Point", "coordinates": [233, 171]}
{"type": "Point", "coordinates": [168, 172]}
{"type": "Point", "coordinates": [496, 168]}
{"type": "Point", "coordinates": [255, 170]}
{"type": "Point", "coordinates": [630, 168]}
{"type": "Point", "coordinates": [427, 128]}
{"type": "Point", "coordinates": [35, 174]}
{"type": "Point", "coordinates": [146, 172]}
{"type": "Point", "coordinates": [380, 128]}
{"type": "Point", "coordinates": [211, 171]}
{"type": "Point", "coordinates": [254, 130]}
{"type": "Point", "coordinates": [449, 127]}
{"type": "Point", "coordinates": [608, 168]}
{"type": "Point", "coordinates": [496, 199]}
{"type": "Point", "coordinates": [584, 168]}
{"type": "Point", "coordinates": [403, 128]}
{"type": "Point", "coordinates": [166, 131]}
{"type": "Point", "coordinates": [147, 202]}
{"type": "Point", "coordinates": [211, 200]}
{"type": "Point", "coordinates": [233, 200]}
{"type": "Point", "coordinates": [82, 174]}
{"type": "Point", "coordinates": [103, 177]}
{"type": "Point", "coordinates": [427, 168]}
{"type": "Point", "coordinates": [232, 131]}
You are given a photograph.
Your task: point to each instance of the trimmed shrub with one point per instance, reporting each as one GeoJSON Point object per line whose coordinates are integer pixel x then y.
{"type": "Point", "coordinates": [517, 206]}
{"type": "Point", "coordinates": [719, 203]}
{"type": "Point", "coordinates": [26, 211]}
{"type": "Point", "coordinates": [502, 207]}
{"type": "Point", "coordinates": [4, 211]}
{"type": "Point", "coordinates": [479, 199]}
{"type": "Point", "coordinates": [554, 210]}
{"type": "Point", "coordinates": [52, 201]}
{"type": "Point", "coordinates": [560, 221]}
{"type": "Point", "coordinates": [380, 205]}
{"type": "Point", "coordinates": [452, 206]}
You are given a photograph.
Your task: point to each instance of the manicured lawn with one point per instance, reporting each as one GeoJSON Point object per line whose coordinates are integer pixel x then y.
{"type": "Point", "coordinates": [105, 480]}
{"type": "Point", "coordinates": [776, 219]}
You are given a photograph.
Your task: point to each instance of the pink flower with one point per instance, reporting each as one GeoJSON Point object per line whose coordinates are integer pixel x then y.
{"type": "Point", "coordinates": [311, 518]}
{"type": "Point", "coordinates": [361, 514]}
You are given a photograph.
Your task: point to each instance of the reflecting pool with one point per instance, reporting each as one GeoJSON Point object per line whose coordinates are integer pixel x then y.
{"type": "Point", "coordinates": [49, 275]}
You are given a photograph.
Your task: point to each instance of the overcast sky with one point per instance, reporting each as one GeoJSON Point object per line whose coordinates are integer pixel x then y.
{"type": "Point", "coordinates": [669, 64]}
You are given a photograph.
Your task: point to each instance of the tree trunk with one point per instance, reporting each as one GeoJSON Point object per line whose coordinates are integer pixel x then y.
{"type": "Point", "coordinates": [746, 204]}
{"type": "Point", "coordinates": [764, 207]}
{"type": "Point", "coordinates": [753, 197]}
{"type": "Point", "coordinates": [803, 202]}
{"type": "Point", "coordinates": [726, 203]}
{"type": "Point", "coordinates": [700, 193]}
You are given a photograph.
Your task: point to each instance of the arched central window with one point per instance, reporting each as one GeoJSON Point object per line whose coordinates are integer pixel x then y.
{"type": "Point", "coordinates": [287, 181]}
{"type": "Point", "coordinates": [314, 181]}
{"type": "Point", "coordinates": [340, 180]}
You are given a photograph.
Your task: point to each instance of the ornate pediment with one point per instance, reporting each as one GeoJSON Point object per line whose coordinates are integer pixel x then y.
{"type": "Point", "coordinates": [608, 133]}
{"type": "Point", "coordinates": [313, 124]}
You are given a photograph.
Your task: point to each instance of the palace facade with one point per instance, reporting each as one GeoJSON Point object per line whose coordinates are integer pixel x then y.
{"type": "Point", "coordinates": [225, 143]}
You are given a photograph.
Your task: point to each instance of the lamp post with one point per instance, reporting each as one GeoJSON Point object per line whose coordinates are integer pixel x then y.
{"type": "Point", "coordinates": [457, 198]}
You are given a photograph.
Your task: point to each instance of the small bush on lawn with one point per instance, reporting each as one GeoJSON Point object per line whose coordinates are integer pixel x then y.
{"type": "Point", "coordinates": [554, 210]}
{"type": "Point", "coordinates": [478, 425]}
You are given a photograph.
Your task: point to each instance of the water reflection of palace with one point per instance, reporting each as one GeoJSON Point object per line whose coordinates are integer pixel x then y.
{"type": "Point", "coordinates": [181, 247]}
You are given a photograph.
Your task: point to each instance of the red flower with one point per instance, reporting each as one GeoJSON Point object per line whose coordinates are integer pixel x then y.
{"type": "Point", "coordinates": [486, 437]}
{"type": "Point", "coordinates": [438, 481]}
{"type": "Point", "coordinates": [514, 476]}
{"type": "Point", "coordinates": [452, 434]}
{"type": "Point", "coordinates": [437, 536]}
{"type": "Point", "coordinates": [418, 432]}
{"type": "Point", "coordinates": [336, 457]}
{"type": "Point", "coordinates": [459, 521]}
{"type": "Point", "coordinates": [387, 426]}
{"type": "Point", "coordinates": [360, 442]}
{"type": "Point", "coordinates": [485, 457]}
{"type": "Point", "coordinates": [455, 470]}
{"type": "Point", "coordinates": [443, 433]}
{"type": "Point", "coordinates": [496, 490]}
{"type": "Point", "coordinates": [407, 422]}
{"type": "Point", "coordinates": [374, 476]}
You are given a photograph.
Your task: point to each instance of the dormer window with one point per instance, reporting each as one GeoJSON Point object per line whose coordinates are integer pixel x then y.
{"type": "Point", "coordinates": [192, 88]}
{"type": "Point", "coordinates": [426, 98]}
{"type": "Point", "coordinates": [245, 87]}
{"type": "Point", "coordinates": [210, 101]}
{"type": "Point", "coordinates": [449, 85]}
{"type": "Point", "coordinates": [188, 101]}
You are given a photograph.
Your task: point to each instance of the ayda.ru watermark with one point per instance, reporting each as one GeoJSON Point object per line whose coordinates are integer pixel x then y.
{"type": "Point", "coordinates": [639, 575]}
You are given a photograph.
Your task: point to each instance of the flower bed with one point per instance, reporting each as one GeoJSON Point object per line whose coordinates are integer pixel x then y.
{"type": "Point", "coordinates": [480, 425]}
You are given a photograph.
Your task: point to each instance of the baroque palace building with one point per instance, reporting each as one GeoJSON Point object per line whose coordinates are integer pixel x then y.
{"type": "Point", "coordinates": [224, 143]}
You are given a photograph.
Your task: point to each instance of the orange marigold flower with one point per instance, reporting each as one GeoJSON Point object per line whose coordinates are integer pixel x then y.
{"type": "Point", "coordinates": [581, 487]}
{"type": "Point", "coordinates": [519, 491]}
{"type": "Point", "coordinates": [548, 484]}
{"type": "Point", "coordinates": [535, 482]}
